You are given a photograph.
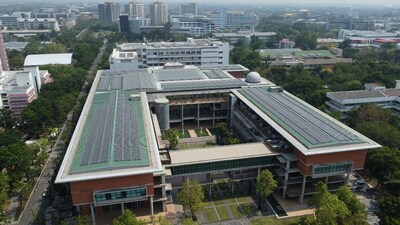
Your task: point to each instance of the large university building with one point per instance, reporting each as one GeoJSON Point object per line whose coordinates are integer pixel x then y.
{"type": "Point", "coordinates": [198, 52]}
{"type": "Point", "coordinates": [118, 159]}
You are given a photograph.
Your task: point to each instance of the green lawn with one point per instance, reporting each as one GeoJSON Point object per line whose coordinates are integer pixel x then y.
{"type": "Point", "coordinates": [275, 221]}
{"type": "Point", "coordinates": [184, 135]}
{"type": "Point", "coordinates": [229, 199]}
{"type": "Point", "coordinates": [249, 209]}
{"type": "Point", "coordinates": [200, 133]}
{"type": "Point", "coordinates": [223, 213]}
{"type": "Point", "coordinates": [211, 214]}
{"type": "Point", "coordinates": [237, 213]}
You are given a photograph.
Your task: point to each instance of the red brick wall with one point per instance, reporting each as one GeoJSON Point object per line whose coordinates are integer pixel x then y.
{"type": "Point", "coordinates": [82, 191]}
{"type": "Point", "coordinates": [237, 74]}
{"type": "Point", "coordinates": [304, 164]}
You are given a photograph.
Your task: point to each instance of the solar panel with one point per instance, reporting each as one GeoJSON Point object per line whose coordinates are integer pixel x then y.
{"type": "Point", "coordinates": [299, 117]}
{"type": "Point", "coordinates": [104, 84]}
{"type": "Point", "coordinates": [179, 74]}
{"type": "Point", "coordinates": [202, 85]}
{"type": "Point", "coordinates": [135, 134]}
{"type": "Point", "coordinates": [116, 83]}
{"type": "Point", "coordinates": [91, 137]}
{"type": "Point", "coordinates": [215, 74]}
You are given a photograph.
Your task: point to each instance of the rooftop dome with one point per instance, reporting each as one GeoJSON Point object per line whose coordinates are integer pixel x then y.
{"type": "Point", "coordinates": [253, 77]}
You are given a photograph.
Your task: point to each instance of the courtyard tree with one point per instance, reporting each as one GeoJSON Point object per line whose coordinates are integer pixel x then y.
{"type": "Point", "coordinates": [173, 138]}
{"type": "Point", "coordinates": [265, 185]}
{"type": "Point", "coordinates": [128, 218]}
{"type": "Point", "coordinates": [222, 132]}
{"type": "Point", "coordinates": [192, 196]}
{"type": "Point", "coordinates": [81, 220]}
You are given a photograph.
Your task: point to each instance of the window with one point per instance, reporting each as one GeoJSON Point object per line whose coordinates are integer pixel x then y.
{"type": "Point", "coordinates": [338, 168]}
{"type": "Point", "coordinates": [116, 196]}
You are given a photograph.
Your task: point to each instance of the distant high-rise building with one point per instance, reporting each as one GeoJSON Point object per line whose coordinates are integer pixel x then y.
{"type": "Point", "coordinates": [3, 55]}
{"type": "Point", "coordinates": [189, 8]}
{"type": "Point", "coordinates": [124, 23]}
{"type": "Point", "coordinates": [134, 9]}
{"type": "Point", "coordinates": [158, 13]}
{"type": "Point", "coordinates": [108, 12]}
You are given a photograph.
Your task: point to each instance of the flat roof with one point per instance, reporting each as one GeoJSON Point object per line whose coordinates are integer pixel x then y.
{"type": "Point", "coordinates": [15, 45]}
{"type": "Point", "coordinates": [48, 59]}
{"type": "Point", "coordinates": [114, 136]}
{"type": "Point", "coordinates": [219, 153]}
{"type": "Point", "coordinates": [308, 129]}
{"type": "Point", "coordinates": [229, 68]}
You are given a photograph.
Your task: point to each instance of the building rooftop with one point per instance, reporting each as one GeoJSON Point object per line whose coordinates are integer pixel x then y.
{"type": "Point", "coordinates": [308, 129]}
{"type": "Point", "coordinates": [275, 53]}
{"type": "Point", "coordinates": [190, 43]}
{"type": "Point", "coordinates": [313, 53]}
{"type": "Point", "coordinates": [242, 34]}
{"type": "Point", "coordinates": [219, 153]}
{"type": "Point", "coordinates": [113, 136]}
{"type": "Point", "coordinates": [48, 59]}
{"type": "Point", "coordinates": [14, 45]}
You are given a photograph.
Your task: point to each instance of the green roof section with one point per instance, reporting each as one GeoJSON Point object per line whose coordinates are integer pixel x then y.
{"type": "Point", "coordinates": [300, 120]}
{"type": "Point", "coordinates": [101, 146]}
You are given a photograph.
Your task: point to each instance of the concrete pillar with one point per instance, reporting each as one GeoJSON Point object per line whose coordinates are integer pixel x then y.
{"type": "Point", "coordinates": [183, 125]}
{"type": "Point", "coordinates": [326, 180]}
{"type": "Point", "coordinates": [122, 207]}
{"type": "Point", "coordinates": [259, 171]}
{"type": "Point", "coordinates": [286, 179]}
{"type": "Point", "coordinates": [78, 209]}
{"type": "Point", "coordinates": [213, 115]}
{"type": "Point", "coordinates": [347, 178]}
{"type": "Point", "coordinates": [198, 116]}
{"type": "Point", "coordinates": [303, 190]}
{"type": "Point", "coordinates": [151, 206]}
{"type": "Point", "coordinates": [92, 214]}
{"type": "Point", "coordinates": [164, 206]}
{"type": "Point", "coordinates": [233, 186]}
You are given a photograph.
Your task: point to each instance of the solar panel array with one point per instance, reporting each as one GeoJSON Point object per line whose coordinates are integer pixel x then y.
{"type": "Point", "coordinates": [127, 138]}
{"type": "Point", "coordinates": [100, 136]}
{"type": "Point", "coordinates": [178, 74]}
{"type": "Point", "coordinates": [98, 143]}
{"type": "Point", "coordinates": [202, 85]}
{"type": "Point", "coordinates": [138, 81]}
{"type": "Point", "coordinates": [126, 80]}
{"type": "Point", "coordinates": [215, 74]}
{"type": "Point", "coordinates": [300, 118]}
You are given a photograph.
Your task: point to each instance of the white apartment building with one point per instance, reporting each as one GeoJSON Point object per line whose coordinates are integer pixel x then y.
{"type": "Point", "coordinates": [158, 13]}
{"type": "Point", "coordinates": [198, 52]}
{"type": "Point", "coordinates": [19, 88]}
{"type": "Point", "coordinates": [134, 9]}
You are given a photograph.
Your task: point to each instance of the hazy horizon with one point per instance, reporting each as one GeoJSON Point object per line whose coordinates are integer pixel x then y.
{"type": "Point", "coordinates": [338, 3]}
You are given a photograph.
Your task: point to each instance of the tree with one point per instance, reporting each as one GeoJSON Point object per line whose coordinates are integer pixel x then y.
{"type": "Point", "coordinates": [350, 199]}
{"type": "Point", "coordinates": [4, 188]}
{"type": "Point", "coordinates": [164, 221]}
{"type": "Point", "coordinates": [222, 132]}
{"type": "Point", "coordinates": [265, 184]}
{"type": "Point", "coordinates": [192, 196]}
{"type": "Point", "coordinates": [332, 211]}
{"type": "Point", "coordinates": [389, 208]}
{"type": "Point", "coordinates": [128, 218]}
{"type": "Point", "coordinates": [173, 138]}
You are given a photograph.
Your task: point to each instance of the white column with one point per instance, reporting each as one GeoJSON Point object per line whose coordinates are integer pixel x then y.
{"type": "Point", "coordinates": [233, 186]}
{"type": "Point", "coordinates": [122, 207]}
{"type": "Point", "coordinates": [347, 178]}
{"type": "Point", "coordinates": [78, 209]}
{"type": "Point", "coordinates": [151, 206]}
{"type": "Point", "coordinates": [183, 125]}
{"type": "Point", "coordinates": [92, 214]}
{"type": "Point", "coordinates": [303, 190]}
{"type": "Point", "coordinates": [286, 179]}
{"type": "Point", "coordinates": [214, 115]}
{"type": "Point", "coordinates": [198, 116]}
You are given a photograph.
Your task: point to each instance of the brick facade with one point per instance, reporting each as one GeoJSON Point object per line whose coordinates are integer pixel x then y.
{"type": "Point", "coordinates": [304, 164]}
{"type": "Point", "coordinates": [82, 191]}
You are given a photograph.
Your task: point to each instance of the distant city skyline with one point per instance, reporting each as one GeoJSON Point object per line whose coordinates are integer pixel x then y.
{"type": "Point", "coordinates": [226, 2]}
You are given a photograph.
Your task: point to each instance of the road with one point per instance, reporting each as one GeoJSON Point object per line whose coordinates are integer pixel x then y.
{"type": "Point", "coordinates": [35, 200]}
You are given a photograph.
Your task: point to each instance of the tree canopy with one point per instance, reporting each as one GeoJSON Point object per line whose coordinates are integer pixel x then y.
{"type": "Point", "coordinates": [191, 196]}
{"type": "Point", "coordinates": [128, 218]}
